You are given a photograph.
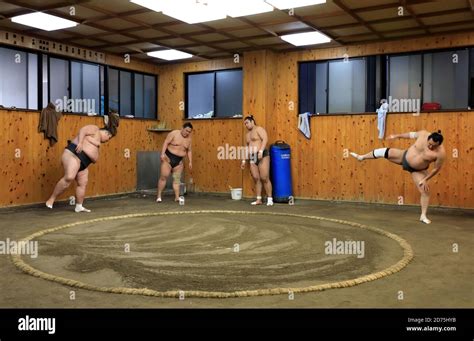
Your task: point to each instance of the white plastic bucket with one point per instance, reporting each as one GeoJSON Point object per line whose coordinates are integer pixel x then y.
{"type": "Point", "coordinates": [236, 193]}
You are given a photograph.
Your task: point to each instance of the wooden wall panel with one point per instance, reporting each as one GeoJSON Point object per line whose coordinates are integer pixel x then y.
{"type": "Point", "coordinates": [31, 178]}
{"type": "Point", "coordinates": [209, 174]}
{"type": "Point", "coordinates": [270, 87]}
{"type": "Point", "coordinates": [320, 170]}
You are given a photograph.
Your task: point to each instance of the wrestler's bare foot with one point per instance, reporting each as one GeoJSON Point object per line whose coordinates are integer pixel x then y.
{"type": "Point", "coordinates": [425, 220]}
{"type": "Point", "coordinates": [158, 199]}
{"type": "Point", "coordinates": [49, 203]}
{"type": "Point", "coordinates": [357, 156]}
{"type": "Point", "coordinates": [257, 202]}
{"type": "Point", "coordinates": [176, 199]}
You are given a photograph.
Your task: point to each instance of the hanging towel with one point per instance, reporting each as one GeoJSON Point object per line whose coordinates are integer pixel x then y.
{"type": "Point", "coordinates": [303, 124]}
{"type": "Point", "coordinates": [48, 123]}
{"type": "Point", "coordinates": [381, 118]}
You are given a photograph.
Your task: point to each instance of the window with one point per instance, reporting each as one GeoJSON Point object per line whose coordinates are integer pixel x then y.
{"type": "Point", "coordinates": [405, 77]}
{"type": "Point", "coordinates": [358, 84]}
{"type": "Point", "coordinates": [214, 94]}
{"type": "Point", "coordinates": [58, 81]}
{"type": "Point", "coordinates": [132, 94]}
{"type": "Point", "coordinates": [441, 77]}
{"type": "Point", "coordinates": [85, 87]}
{"type": "Point", "coordinates": [126, 93]}
{"type": "Point", "coordinates": [18, 79]}
{"type": "Point", "coordinates": [347, 90]}
{"type": "Point", "coordinates": [228, 98]}
{"type": "Point", "coordinates": [334, 86]}
{"type": "Point", "coordinates": [446, 78]}
{"type": "Point", "coordinates": [200, 101]}
{"type": "Point", "coordinates": [145, 96]}
{"type": "Point", "coordinates": [74, 86]}
{"type": "Point", "coordinates": [32, 80]}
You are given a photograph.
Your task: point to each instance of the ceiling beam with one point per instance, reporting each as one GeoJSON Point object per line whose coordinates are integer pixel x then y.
{"type": "Point", "coordinates": [410, 29]}
{"type": "Point", "coordinates": [420, 23]}
{"type": "Point", "coordinates": [140, 23]}
{"type": "Point", "coordinates": [404, 18]}
{"type": "Point", "coordinates": [357, 17]}
{"type": "Point", "coordinates": [434, 34]}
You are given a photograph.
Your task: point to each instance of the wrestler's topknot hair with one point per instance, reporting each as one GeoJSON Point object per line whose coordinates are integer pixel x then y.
{"type": "Point", "coordinates": [436, 137]}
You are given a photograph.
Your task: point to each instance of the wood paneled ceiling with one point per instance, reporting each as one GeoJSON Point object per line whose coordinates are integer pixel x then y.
{"type": "Point", "coordinates": [121, 27]}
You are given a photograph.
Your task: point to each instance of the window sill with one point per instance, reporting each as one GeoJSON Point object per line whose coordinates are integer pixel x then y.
{"type": "Point", "coordinates": [395, 113]}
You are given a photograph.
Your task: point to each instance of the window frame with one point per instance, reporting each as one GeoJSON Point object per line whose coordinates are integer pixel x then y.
{"type": "Point", "coordinates": [214, 72]}
{"type": "Point", "coordinates": [39, 69]}
{"type": "Point", "coordinates": [385, 77]}
{"type": "Point", "coordinates": [132, 89]}
{"type": "Point", "coordinates": [106, 67]}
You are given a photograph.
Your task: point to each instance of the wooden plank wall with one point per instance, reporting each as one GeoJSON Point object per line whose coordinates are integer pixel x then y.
{"type": "Point", "coordinates": [318, 167]}
{"type": "Point", "coordinates": [31, 177]}
{"type": "Point", "coordinates": [271, 94]}
{"type": "Point", "coordinates": [209, 174]}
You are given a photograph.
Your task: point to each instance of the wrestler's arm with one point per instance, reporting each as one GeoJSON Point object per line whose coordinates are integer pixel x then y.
{"type": "Point", "coordinates": [247, 139]}
{"type": "Point", "coordinates": [410, 135]}
{"type": "Point", "coordinates": [89, 130]}
{"type": "Point", "coordinates": [264, 137]}
{"type": "Point", "coordinates": [437, 166]}
{"type": "Point", "coordinates": [190, 154]}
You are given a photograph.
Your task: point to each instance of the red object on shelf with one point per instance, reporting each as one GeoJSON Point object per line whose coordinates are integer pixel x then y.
{"type": "Point", "coordinates": [431, 106]}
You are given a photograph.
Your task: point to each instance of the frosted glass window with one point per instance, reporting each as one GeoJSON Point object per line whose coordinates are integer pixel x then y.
{"type": "Point", "coordinates": [228, 93]}
{"type": "Point", "coordinates": [126, 93]}
{"type": "Point", "coordinates": [446, 79]}
{"type": "Point", "coordinates": [113, 90]}
{"type": "Point", "coordinates": [138, 95]}
{"type": "Point", "coordinates": [405, 77]}
{"type": "Point", "coordinates": [347, 86]}
{"type": "Point", "coordinates": [58, 79]}
{"type": "Point", "coordinates": [85, 86]}
{"type": "Point", "coordinates": [13, 78]}
{"type": "Point", "coordinates": [149, 97]}
{"type": "Point", "coordinates": [200, 103]}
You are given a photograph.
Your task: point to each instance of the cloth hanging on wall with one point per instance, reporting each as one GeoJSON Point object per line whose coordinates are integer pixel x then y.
{"type": "Point", "coordinates": [48, 123]}
{"type": "Point", "coordinates": [303, 124]}
{"type": "Point", "coordinates": [381, 118]}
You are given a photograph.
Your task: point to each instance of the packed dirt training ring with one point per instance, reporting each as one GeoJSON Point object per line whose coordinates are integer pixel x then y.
{"type": "Point", "coordinates": [403, 262]}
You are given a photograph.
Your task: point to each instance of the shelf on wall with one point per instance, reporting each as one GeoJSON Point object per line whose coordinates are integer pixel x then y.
{"type": "Point", "coordinates": [159, 130]}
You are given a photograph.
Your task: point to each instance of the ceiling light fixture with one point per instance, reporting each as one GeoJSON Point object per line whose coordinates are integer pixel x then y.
{"type": "Point", "coordinates": [286, 4]}
{"type": "Point", "coordinates": [308, 38]}
{"type": "Point", "coordinates": [43, 21]}
{"type": "Point", "coordinates": [169, 54]}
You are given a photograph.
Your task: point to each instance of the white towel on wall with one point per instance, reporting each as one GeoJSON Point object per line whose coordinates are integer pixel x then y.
{"type": "Point", "coordinates": [381, 118]}
{"type": "Point", "coordinates": [303, 124]}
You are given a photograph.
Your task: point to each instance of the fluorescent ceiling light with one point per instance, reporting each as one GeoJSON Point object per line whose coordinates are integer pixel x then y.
{"type": "Point", "coordinates": [239, 8]}
{"type": "Point", "coordinates": [194, 11]}
{"type": "Point", "coordinates": [43, 21]}
{"type": "Point", "coordinates": [309, 38]}
{"type": "Point", "coordinates": [285, 4]}
{"type": "Point", "coordinates": [154, 5]}
{"type": "Point", "coordinates": [169, 54]}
